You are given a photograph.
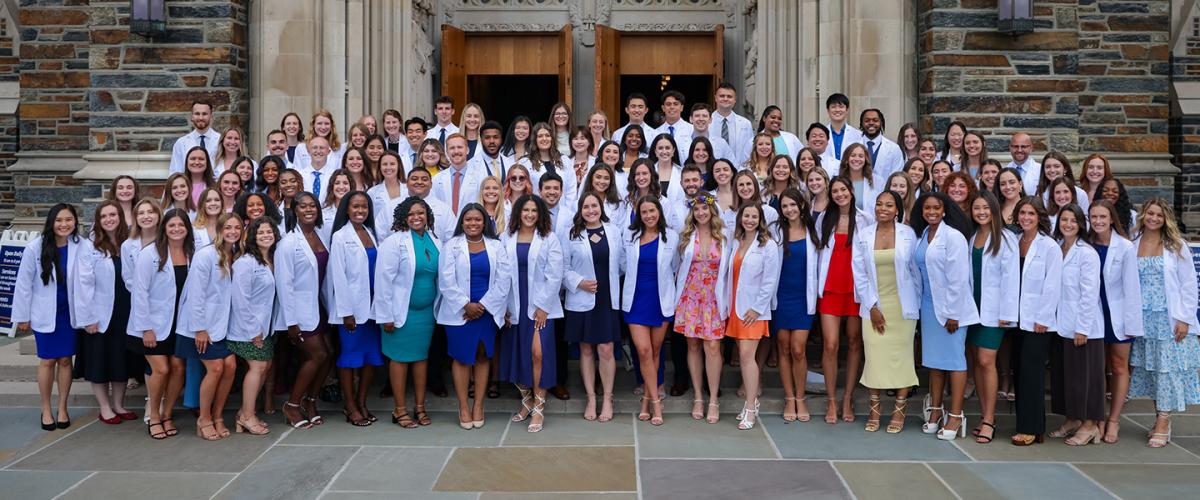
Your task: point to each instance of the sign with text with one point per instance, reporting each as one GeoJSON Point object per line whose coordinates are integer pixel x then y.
{"type": "Point", "coordinates": [12, 246]}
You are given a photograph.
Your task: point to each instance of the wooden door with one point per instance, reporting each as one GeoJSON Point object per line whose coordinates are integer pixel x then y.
{"type": "Point", "coordinates": [454, 70]}
{"type": "Point", "coordinates": [718, 57]}
{"type": "Point", "coordinates": [608, 73]}
{"type": "Point", "coordinates": [565, 66]}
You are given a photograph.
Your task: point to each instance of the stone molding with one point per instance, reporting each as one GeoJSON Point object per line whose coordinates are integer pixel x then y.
{"type": "Point", "coordinates": [141, 166]}
{"type": "Point", "coordinates": [48, 162]}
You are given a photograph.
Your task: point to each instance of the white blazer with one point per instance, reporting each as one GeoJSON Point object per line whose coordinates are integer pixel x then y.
{"type": "Point", "coordinates": [34, 301]}
{"type": "Point", "coordinates": [152, 299]}
{"type": "Point", "coordinates": [850, 135]}
{"type": "Point", "coordinates": [95, 286]}
{"type": "Point", "coordinates": [129, 252]}
{"type": "Point", "coordinates": [384, 207]}
{"type": "Point", "coordinates": [826, 250]}
{"type": "Point", "coordinates": [1000, 282]}
{"type": "Point", "coordinates": [442, 188]}
{"type": "Point", "coordinates": [454, 281]}
{"type": "Point", "coordinates": [908, 277]}
{"type": "Point", "coordinates": [254, 301]}
{"type": "Point", "coordinates": [729, 216]}
{"type": "Point", "coordinates": [1123, 288]}
{"type": "Point", "coordinates": [544, 276]}
{"type": "Point", "coordinates": [870, 194]}
{"type": "Point", "coordinates": [349, 276]}
{"type": "Point", "coordinates": [296, 280]}
{"type": "Point", "coordinates": [794, 144]}
{"type": "Point", "coordinates": [1179, 280]}
{"type": "Point", "coordinates": [1079, 305]}
{"type": "Point", "coordinates": [948, 260]}
{"type": "Point", "coordinates": [395, 267]}
{"type": "Point", "coordinates": [667, 263]}
{"type": "Point", "coordinates": [723, 276]}
{"type": "Point", "coordinates": [758, 278]}
{"type": "Point", "coordinates": [569, 188]}
{"type": "Point", "coordinates": [811, 265]}
{"type": "Point", "coordinates": [211, 290]}
{"type": "Point", "coordinates": [580, 266]}
{"type": "Point", "coordinates": [1041, 282]}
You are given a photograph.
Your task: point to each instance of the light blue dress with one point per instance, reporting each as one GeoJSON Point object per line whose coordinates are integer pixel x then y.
{"type": "Point", "coordinates": [939, 350]}
{"type": "Point", "coordinates": [1163, 370]}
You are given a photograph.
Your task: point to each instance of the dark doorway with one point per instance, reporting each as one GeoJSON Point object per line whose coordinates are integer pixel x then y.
{"type": "Point", "coordinates": [695, 88]}
{"type": "Point", "coordinates": [504, 97]}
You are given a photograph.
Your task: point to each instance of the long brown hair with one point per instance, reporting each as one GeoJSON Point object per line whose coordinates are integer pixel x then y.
{"type": "Point", "coordinates": [160, 242]}
{"type": "Point", "coordinates": [227, 252]}
{"type": "Point", "coordinates": [995, 225]}
{"type": "Point", "coordinates": [763, 236]}
{"type": "Point", "coordinates": [107, 243]}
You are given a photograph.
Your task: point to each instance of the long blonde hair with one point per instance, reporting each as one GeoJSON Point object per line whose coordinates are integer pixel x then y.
{"type": "Point", "coordinates": [227, 253]}
{"type": "Point", "coordinates": [716, 227]}
{"type": "Point", "coordinates": [334, 143]}
{"type": "Point", "coordinates": [1172, 238]}
{"type": "Point", "coordinates": [500, 215]}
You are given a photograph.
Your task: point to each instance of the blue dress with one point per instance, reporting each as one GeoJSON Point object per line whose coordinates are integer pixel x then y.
{"type": "Point", "coordinates": [939, 349]}
{"type": "Point", "coordinates": [646, 309]}
{"type": "Point", "coordinates": [59, 343]}
{"type": "Point", "coordinates": [516, 349]}
{"type": "Point", "coordinates": [791, 313]}
{"type": "Point", "coordinates": [602, 324]}
{"type": "Point", "coordinates": [462, 341]}
{"type": "Point", "coordinates": [410, 343]}
{"type": "Point", "coordinates": [1109, 336]}
{"type": "Point", "coordinates": [362, 347]}
{"type": "Point", "coordinates": [1163, 370]}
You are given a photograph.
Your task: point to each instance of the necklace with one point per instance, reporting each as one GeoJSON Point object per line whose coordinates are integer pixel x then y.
{"type": "Point", "coordinates": [480, 240]}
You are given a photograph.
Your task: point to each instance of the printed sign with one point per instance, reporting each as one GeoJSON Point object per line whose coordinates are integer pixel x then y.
{"type": "Point", "coordinates": [1195, 247]}
{"type": "Point", "coordinates": [12, 246]}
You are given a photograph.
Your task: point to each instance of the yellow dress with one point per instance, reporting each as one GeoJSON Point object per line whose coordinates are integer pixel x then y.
{"type": "Point", "coordinates": [889, 362]}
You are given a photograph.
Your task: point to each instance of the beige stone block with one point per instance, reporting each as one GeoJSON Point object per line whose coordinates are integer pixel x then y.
{"type": "Point", "coordinates": [290, 74]}
{"type": "Point", "coordinates": [559, 469]}
{"type": "Point", "coordinates": [291, 9]}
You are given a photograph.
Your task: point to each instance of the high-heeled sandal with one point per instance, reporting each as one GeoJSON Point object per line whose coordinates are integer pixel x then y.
{"type": "Point", "coordinates": [831, 408]}
{"type": "Point", "coordinates": [1109, 425]}
{"type": "Point", "coordinates": [1083, 438]}
{"type": "Point", "coordinates": [215, 436]}
{"type": "Point", "coordinates": [697, 409]}
{"type": "Point", "coordinates": [401, 417]}
{"type": "Point", "coordinates": [156, 435]}
{"type": "Point", "coordinates": [357, 422]}
{"type": "Point", "coordinates": [789, 415]}
{"type": "Point", "coordinates": [644, 415]}
{"type": "Point", "coordinates": [607, 405]}
{"type": "Point", "coordinates": [313, 417]}
{"type": "Point", "coordinates": [657, 420]}
{"type": "Point", "coordinates": [537, 410]}
{"type": "Point", "coordinates": [589, 409]}
{"type": "Point", "coordinates": [1027, 439]}
{"type": "Point", "coordinates": [749, 417]}
{"type": "Point", "coordinates": [873, 423]}
{"type": "Point", "coordinates": [362, 407]}
{"type": "Point", "coordinates": [172, 431]}
{"type": "Point", "coordinates": [949, 434]}
{"type": "Point", "coordinates": [422, 417]}
{"type": "Point", "coordinates": [524, 413]}
{"type": "Point", "coordinates": [1064, 431]}
{"type": "Point", "coordinates": [932, 427]}
{"type": "Point", "coordinates": [900, 408]}
{"type": "Point", "coordinates": [714, 413]}
{"type": "Point", "coordinates": [1160, 439]}
{"type": "Point", "coordinates": [221, 429]}
{"type": "Point", "coordinates": [303, 423]}
{"type": "Point", "coordinates": [982, 439]}
{"type": "Point", "coordinates": [255, 428]}
{"type": "Point", "coordinates": [802, 416]}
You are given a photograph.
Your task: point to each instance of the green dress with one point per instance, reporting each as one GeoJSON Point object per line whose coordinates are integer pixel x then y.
{"type": "Point", "coordinates": [410, 343]}
{"type": "Point", "coordinates": [987, 337]}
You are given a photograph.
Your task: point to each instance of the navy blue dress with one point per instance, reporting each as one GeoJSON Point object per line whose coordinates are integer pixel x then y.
{"type": "Point", "coordinates": [516, 350]}
{"type": "Point", "coordinates": [646, 309]}
{"type": "Point", "coordinates": [603, 323]}
{"type": "Point", "coordinates": [462, 341]}
{"type": "Point", "coordinates": [59, 343]}
{"type": "Point", "coordinates": [791, 312]}
{"type": "Point", "coordinates": [1109, 336]}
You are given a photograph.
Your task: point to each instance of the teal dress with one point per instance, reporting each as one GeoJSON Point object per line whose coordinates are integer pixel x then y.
{"type": "Point", "coordinates": [410, 343]}
{"type": "Point", "coordinates": [978, 335]}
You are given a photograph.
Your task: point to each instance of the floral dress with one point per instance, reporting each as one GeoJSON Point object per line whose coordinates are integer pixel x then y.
{"type": "Point", "coordinates": [1163, 370]}
{"type": "Point", "coordinates": [696, 315]}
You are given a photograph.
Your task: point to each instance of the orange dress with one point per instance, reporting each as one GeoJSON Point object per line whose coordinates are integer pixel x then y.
{"type": "Point", "coordinates": [736, 329]}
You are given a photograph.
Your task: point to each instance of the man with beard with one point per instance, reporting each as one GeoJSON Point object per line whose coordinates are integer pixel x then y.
{"type": "Point", "coordinates": [201, 135]}
{"type": "Point", "coordinates": [886, 156]}
{"type": "Point", "coordinates": [491, 162]}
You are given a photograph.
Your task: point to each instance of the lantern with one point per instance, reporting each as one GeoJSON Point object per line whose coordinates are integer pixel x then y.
{"type": "Point", "coordinates": [149, 17]}
{"type": "Point", "coordinates": [1015, 16]}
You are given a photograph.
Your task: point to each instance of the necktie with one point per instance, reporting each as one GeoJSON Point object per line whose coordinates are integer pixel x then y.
{"type": "Point", "coordinates": [442, 137]}
{"type": "Point", "coordinates": [413, 158]}
{"type": "Point", "coordinates": [725, 130]}
{"type": "Point", "coordinates": [671, 129]}
{"type": "Point", "coordinates": [874, 152]}
{"type": "Point", "coordinates": [454, 194]}
{"type": "Point", "coordinates": [202, 141]}
{"type": "Point", "coordinates": [1021, 170]}
{"type": "Point", "coordinates": [317, 184]}
{"type": "Point", "coordinates": [495, 167]}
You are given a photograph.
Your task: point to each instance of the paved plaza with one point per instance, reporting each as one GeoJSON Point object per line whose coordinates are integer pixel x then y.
{"type": "Point", "coordinates": [575, 459]}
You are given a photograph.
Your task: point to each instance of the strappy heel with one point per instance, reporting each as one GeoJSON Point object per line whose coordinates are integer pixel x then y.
{"type": "Point", "coordinates": [156, 435]}
{"type": "Point", "coordinates": [537, 410]}
{"type": "Point", "coordinates": [170, 432]}
{"type": "Point", "coordinates": [1160, 439]}
{"type": "Point", "coordinates": [802, 416]}
{"type": "Point", "coordinates": [1084, 439]}
{"type": "Point", "coordinates": [644, 415]}
{"type": "Point", "coordinates": [589, 411]}
{"type": "Point", "coordinates": [215, 436]}
{"type": "Point", "coordinates": [901, 407]}
{"type": "Point", "coordinates": [607, 405]}
{"type": "Point", "coordinates": [749, 416]}
{"type": "Point", "coordinates": [526, 394]}
{"type": "Point", "coordinates": [982, 439]}
{"type": "Point", "coordinates": [831, 417]}
{"type": "Point", "coordinates": [359, 422]}
{"type": "Point", "coordinates": [932, 427]}
{"type": "Point", "coordinates": [714, 413]}
{"type": "Point", "coordinates": [313, 417]}
{"type": "Point", "coordinates": [949, 434]}
{"type": "Point", "coordinates": [422, 417]}
{"type": "Point", "coordinates": [873, 423]}
{"type": "Point", "coordinates": [1109, 425]}
{"type": "Point", "coordinates": [789, 416]}
{"type": "Point", "coordinates": [657, 419]}
{"type": "Point", "coordinates": [697, 409]}
{"type": "Point", "coordinates": [401, 417]}
{"type": "Point", "coordinates": [1064, 431]}
{"type": "Point", "coordinates": [303, 423]}
{"type": "Point", "coordinates": [255, 428]}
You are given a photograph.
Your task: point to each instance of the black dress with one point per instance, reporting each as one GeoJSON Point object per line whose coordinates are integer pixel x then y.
{"type": "Point", "coordinates": [603, 323]}
{"type": "Point", "coordinates": [101, 356]}
{"type": "Point", "coordinates": [164, 347]}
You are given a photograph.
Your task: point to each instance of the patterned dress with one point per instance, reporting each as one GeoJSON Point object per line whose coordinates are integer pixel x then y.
{"type": "Point", "coordinates": [1163, 370]}
{"type": "Point", "coordinates": [697, 316]}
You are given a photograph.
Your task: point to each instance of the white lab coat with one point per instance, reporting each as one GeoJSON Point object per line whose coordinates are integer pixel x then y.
{"type": "Point", "coordinates": [544, 276]}
{"type": "Point", "coordinates": [454, 281]}
{"type": "Point", "coordinates": [667, 263]}
{"type": "Point", "coordinates": [1123, 288]}
{"type": "Point", "coordinates": [211, 290]}
{"type": "Point", "coordinates": [850, 135]}
{"type": "Point", "coordinates": [580, 266]}
{"type": "Point", "coordinates": [95, 286]}
{"type": "Point", "coordinates": [384, 206]}
{"type": "Point", "coordinates": [889, 157]}
{"type": "Point", "coordinates": [1041, 284]}
{"type": "Point", "coordinates": [741, 134]}
{"type": "Point", "coordinates": [948, 260]}
{"type": "Point", "coordinates": [871, 193]}
{"type": "Point", "coordinates": [254, 305]}
{"type": "Point", "coordinates": [570, 191]}
{"type": "Point", "coordinates": [1000, 282]}
{"type": "Point", "coordinates": [1079, 302]}
{"type": "Point", "coordinates": [152, 299]}
{"type": "Point", "coordinates": [395, 267]}
{"type": "Point", "coordinates": [34, 301]}
{"type": "Point", "coordinates": [296, 279]}
{"type": "Point", "coordinates": [442, 188]}
{"type": "Point", "coordinates": [908, 277]}
{"type": "Point", "coordinates": [758, 278]}
{"type": "Point", "coordinates": [129, 252]}
{"type": "Point", "coordinates": [826, 251]}
{"type": "Point", "coordinates": [811, 267]}
{"type": "Point", "coordinates": [1179, 282]}
{"type": "Point", "coordinates": [349, 276]}
{"type": "Point", "coordinates": [793, 143]}
{"type": "Point", "coordinates": [723, 274]}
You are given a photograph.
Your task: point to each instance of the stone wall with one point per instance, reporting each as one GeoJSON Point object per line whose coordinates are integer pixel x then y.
{"type": "Point", "coordinates": [9, 132]}
{"type": "Point", "coordinates": [1092, 77]}
{"type": "Point", "coordinates": [1185, 116]}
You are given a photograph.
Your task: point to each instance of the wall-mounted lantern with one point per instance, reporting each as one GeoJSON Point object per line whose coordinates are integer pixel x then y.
{"type": "Point", "coordinates": [149, 17]}
{"type": "Point", "coordinates": [1015, 16]}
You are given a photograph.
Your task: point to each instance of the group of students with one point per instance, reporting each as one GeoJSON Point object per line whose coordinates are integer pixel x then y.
{"type": "Point", "coordinates": [496, 248]}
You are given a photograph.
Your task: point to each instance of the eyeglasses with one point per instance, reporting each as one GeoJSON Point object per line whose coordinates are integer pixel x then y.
{"type": "Point", "coordinates": [517, 178]}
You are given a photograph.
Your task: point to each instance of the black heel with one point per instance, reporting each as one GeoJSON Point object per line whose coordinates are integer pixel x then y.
{"type": "Point", "coordinates": [156, 435]}
{"type": "Point", "coordinates": [47, 427]}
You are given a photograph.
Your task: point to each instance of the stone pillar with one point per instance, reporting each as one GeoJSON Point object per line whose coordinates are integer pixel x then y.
{"type": "Point", "coordinates": [1185, 110]}
{"type": "Point", "coordinates": [10, 96]}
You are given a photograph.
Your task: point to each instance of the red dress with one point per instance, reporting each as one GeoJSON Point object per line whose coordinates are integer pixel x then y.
{"type": "Point", "coordinates": [838, 296]}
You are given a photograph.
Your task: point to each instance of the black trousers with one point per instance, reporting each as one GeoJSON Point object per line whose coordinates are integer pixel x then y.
{"type": "Point", "coordinates": [1031, 351]}
{"type": "Point", "coordinates": [561, 352]}
{"type": "Point", "coordinates": [678, 343]}
{"type": "Point", "coordinates": [437, 359]}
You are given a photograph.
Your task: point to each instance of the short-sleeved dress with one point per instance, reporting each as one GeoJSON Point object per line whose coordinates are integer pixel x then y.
{"type": "Point", "coordinates": [410, 343]}
{"type": "Point", "coordinates": [889, 362]}
{"type": "Point", "coordinates": [59, 343]}
{"type": "Point", "coordinates": [462, 341]}
{"type": "Point", "coordinates": [646, 309]}
{"type": "Point", "coordinates": [603, 323]}
{"type": "Point", "coordinates": [791, 310]}
{"type": "Point", "coordinates": [1163, 370]}
{"type": "Point", "coordinates": [696, 315]}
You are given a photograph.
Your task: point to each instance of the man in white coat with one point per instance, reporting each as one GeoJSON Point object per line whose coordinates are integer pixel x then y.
{"type": "Point", "coordinates": [635, 107]}
{"type": "Point", "coordinates": [1021, 149]}
{"type": "Point", "coordinates": [701, 119]}
{"type": "Point", "coordinates": [734, 129]}
{"type": "Point", "coordinates": [201, 135]}
{"type": "Point", "coordinates": [886, 156]}
{"type": "Point", "coordinates": [457, 185]}
{"type": "Point", "coordinates": [841, 133]}
{"type": "Point", "coordinates": [674, 125]}
{"type": "Point", "coordinates": [443, 109]}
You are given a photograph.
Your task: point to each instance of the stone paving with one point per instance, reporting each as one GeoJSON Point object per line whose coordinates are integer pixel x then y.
{"type": "Point", "coordinates": [575, 459]}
